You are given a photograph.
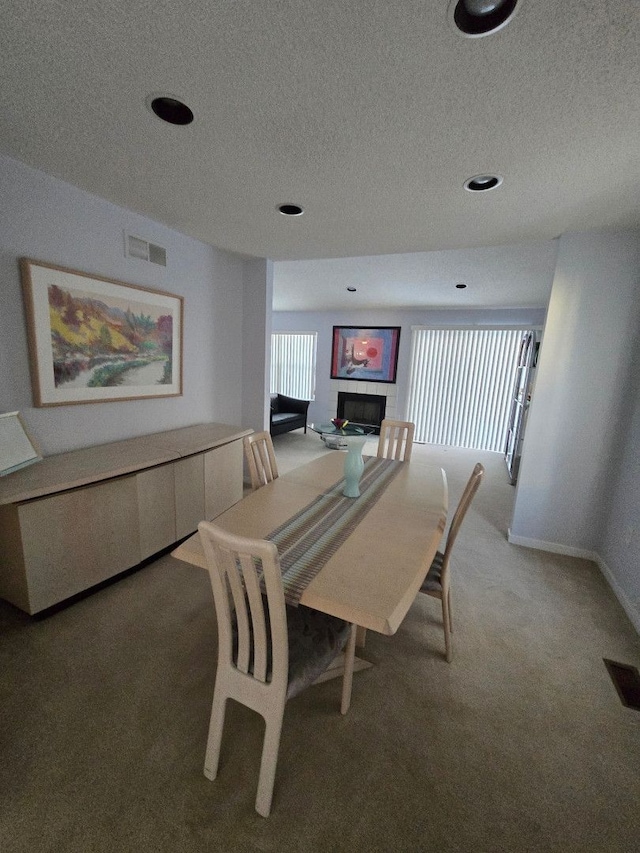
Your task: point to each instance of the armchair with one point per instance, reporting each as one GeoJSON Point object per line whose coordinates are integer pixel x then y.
{"type": "Point", "coordinates": [287, 413]}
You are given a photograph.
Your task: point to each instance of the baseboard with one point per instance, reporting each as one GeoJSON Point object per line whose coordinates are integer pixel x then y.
{"type": "Point", "coordinates": [620, 594]}
{"type": "Point", "coordinates": [552, 547]}
{"type": "Point", "coordinates": [569, 551]}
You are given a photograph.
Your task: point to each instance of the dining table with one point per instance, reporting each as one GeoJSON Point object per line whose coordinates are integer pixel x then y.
{"type": "Point", "coordinates": [360, 559]}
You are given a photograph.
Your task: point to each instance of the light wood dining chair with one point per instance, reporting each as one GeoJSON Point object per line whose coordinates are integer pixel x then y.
{"type": "Point", "coordinates": [268, 652]}
{"type": "Point", "coordinates": [436, 583]}
{"type": "Point", "coordinates": [261, 459]}
{"type": "Point", "coordinates": [396, 440]}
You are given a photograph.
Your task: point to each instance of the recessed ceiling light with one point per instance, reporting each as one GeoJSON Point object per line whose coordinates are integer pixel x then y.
{"type": "Point", "coordinates": [170, 109]}
{"type": "Point", "coordinates": [351, 289]}
{"type": "Point", "coordinates": [482, 183]}
{"type": "Point", "coordinates": [290, 209]}
{"type": "Point", "coordinates": [461, 286]}
{"type": "Point", "coordinates": [477, 18]}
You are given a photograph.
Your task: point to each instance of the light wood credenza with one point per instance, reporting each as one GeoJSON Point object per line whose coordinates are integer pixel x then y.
{"type": "Point", "coordinates": [78, 518]}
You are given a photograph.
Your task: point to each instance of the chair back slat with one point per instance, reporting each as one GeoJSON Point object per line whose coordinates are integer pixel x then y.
{"type": "Point", "coordinates": [261, 459]}
{"type": "Point", "coordinates": [396, 440]}
{"type": "Point", "coordinates": [234, 577]}
{"type": "Point", "coordinates": [436, 582]}
{"type": "Point", "coordinates": [251, 568]}
{"type": "Point", "coordinates": [247, 588]}
{"type": "Point", "coordinates": [470, 489]}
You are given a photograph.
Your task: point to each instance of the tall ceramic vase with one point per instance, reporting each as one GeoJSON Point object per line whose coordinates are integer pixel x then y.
{"type": "Point", "coordinates": [353, 465]}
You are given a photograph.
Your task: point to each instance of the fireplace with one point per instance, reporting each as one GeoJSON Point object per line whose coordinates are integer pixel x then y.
{"type": "Point", "coordinates": [362, 409]}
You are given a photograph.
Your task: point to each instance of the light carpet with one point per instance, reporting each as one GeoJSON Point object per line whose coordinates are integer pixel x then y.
{"type": "Point", "coordinates": [520, 744]}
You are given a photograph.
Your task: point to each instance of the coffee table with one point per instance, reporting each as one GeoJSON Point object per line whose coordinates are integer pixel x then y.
{"type": "Point", "coordinates": [354, 437]}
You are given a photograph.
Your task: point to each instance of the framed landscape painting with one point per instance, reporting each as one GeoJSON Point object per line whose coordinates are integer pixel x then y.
{"type": "Point", "coordinates": [94, 340]}
{"type": "Point", "coordinates": [365, 354]}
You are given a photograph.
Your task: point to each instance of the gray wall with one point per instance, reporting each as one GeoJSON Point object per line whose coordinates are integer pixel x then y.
{"type": "Point", "coordinates": [619, 548]}
{"type": "Point", "coordinates": [256, 334]}
{"type": "Point", "coordinates": [51, 221]}
{"type": "Point", "coordinates": [323, 322]}
{"type": "Point", "coordinates": [576, 493]}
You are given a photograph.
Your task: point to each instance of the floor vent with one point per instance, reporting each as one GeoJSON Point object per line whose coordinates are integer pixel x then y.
{"type": "Point", "coordinates": [136, 247]}
{"type": "Point", "coordinates": [626, 680]}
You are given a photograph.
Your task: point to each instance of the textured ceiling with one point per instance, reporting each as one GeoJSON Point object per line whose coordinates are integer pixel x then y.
{"type": "Point", "coordinates": [370, 115]}
{"type": "Point", "coordinates": [518, 276]}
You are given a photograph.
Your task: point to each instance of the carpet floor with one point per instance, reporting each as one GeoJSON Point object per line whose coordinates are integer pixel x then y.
{"type": "Point", "coordinates": [520, 744]}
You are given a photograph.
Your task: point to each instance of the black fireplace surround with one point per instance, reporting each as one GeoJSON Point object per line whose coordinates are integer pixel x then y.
{"type": "Point", "coordinates": [362, 409]}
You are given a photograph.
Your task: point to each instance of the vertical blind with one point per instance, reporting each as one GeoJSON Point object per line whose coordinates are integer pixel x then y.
{"type": "Point", "coordinates": [293, 364]}
{"type": "Point", "coordinates": [460, 385]}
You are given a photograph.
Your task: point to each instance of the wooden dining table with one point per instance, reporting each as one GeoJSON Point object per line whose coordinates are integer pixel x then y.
{"type": "Point", "coordinates": [373, 576]}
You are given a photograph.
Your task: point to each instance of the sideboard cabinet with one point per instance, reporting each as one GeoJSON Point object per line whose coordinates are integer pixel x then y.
{"type": "Point", "coordinates": [76, 519]}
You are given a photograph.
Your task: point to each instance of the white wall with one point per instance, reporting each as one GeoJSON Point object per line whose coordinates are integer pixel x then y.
{"type": "Point", "coordinates": [584, 419]}
{"type": "Point", "coordinates": [51, 221]}
{"type": "Point", "coordinates": [323, 322]}
{"type": "Point", "coordinates": [619, 548]}
{"type": "Point", "coordinates": [256, 331]}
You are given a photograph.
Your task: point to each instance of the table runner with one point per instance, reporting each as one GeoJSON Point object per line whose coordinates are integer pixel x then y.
{"type": "Point", "coordinates": [308, 539]}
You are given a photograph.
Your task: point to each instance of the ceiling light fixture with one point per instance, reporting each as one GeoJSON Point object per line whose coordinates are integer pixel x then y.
{"type": "Point", "coordinates": [477, 18]}
{"type": "Point", "coordinates": [170, 109]}
{"type": "Point", "coordinates": [482, 183]}
{"type": "Point", "coordinates": [290, 209]}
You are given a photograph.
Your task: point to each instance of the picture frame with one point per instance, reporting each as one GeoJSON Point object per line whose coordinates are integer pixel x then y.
{"type": "Point", "coordinates": [96, 340]}
{"type": "Point", "coordinates": [365, 354]}
{"type": "Point", "coordinates": [17, 447]}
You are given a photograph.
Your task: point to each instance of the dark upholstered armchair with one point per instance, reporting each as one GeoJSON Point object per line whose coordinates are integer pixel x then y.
{"type": "Point", "coordinates": [287, 413]}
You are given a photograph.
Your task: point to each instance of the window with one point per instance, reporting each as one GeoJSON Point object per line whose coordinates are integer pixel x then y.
{"type": "Point", "coordinates": [460, 385]}
{"type": "Point", "coordinates": [293, 364]}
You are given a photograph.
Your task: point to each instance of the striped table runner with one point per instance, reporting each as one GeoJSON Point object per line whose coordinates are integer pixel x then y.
{"type": "Point", "coordinates": [307, 540]}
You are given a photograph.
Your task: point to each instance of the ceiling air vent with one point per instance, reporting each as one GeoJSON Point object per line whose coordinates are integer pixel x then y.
{"type": "Point", "coordinates": [136, 247]}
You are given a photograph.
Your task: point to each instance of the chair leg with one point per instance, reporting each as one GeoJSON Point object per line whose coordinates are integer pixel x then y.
{"type": "Point", "coordinates": [270, 747]}
{"type": "Point", "coordinates": [214, 740]}
{"type": "Point", "coordinates": [347, 678]}
{"type": "Point", "coordinates": [449, 609]}
{"type": "Point", "coordinates": [447, 628]}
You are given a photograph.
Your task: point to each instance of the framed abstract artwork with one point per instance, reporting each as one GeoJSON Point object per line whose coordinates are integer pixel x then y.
{"type": "Point", "coordinates": [369, 355]}
{"type": "Point", "coordinates": [94, 340]}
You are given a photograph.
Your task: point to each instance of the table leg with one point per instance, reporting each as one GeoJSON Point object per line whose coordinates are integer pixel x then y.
{"type": "Point", "coordinates": [349, 656]}
{"type": "Point", "coordinates": [345, 662]}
